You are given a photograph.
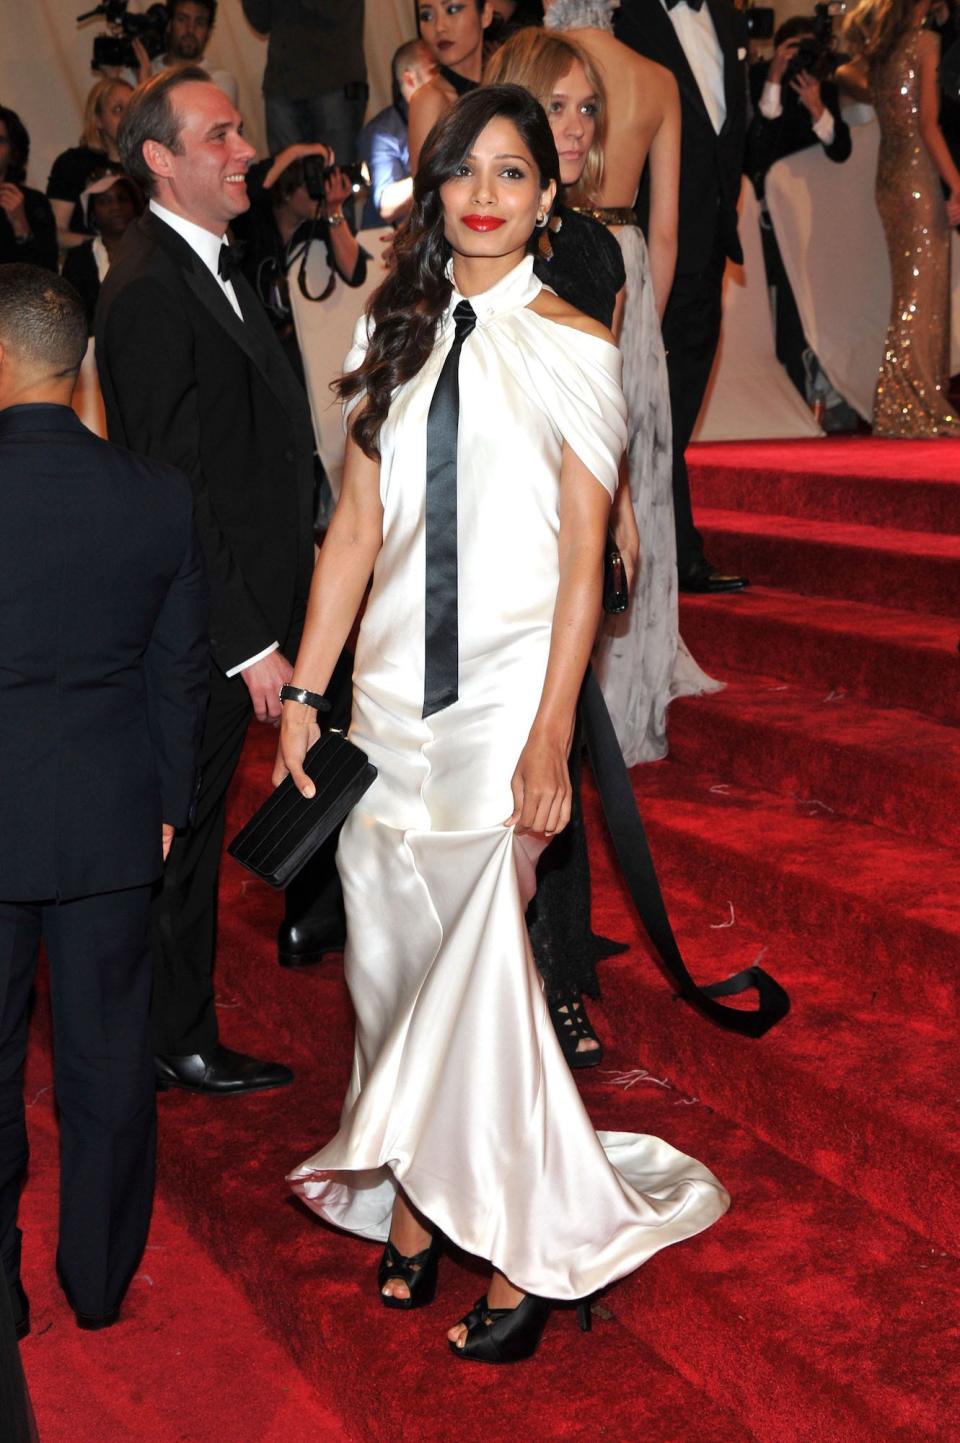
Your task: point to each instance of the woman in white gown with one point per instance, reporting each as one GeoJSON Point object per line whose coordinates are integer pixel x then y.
{"type": "Point", "coordinates": [461, 1118]}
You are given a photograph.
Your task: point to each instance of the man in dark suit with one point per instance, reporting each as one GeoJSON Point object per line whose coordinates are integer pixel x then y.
{"type": "Point", "coordinates": [701, 43]}
{"type": "Point", "coordinates": [192, 373]}
{"type": "Point", "coordinates": [793, 109]}
{"type": "Point", "coordinates": [103, 679]}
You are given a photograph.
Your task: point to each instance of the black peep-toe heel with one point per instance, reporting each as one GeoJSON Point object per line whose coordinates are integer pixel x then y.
{"type": "Point", "coordinates": [419, 1272]}
{"type": "Point", "coordinates": [510, 1335]}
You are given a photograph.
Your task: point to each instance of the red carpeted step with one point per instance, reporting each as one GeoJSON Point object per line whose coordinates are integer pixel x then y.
{"type": "Point", "coordinates": [189, 1362]}
{"type": "Point", "coordinates": [835, 1086]}
{"type": "Point", "coordinates": [853, 479]}
{"type": "Point", "coordinates": [803, 1310]}
{"type": "Point", "coordinates": [882, 905]}
{"type": "Point", "coordinates": [891, 767]}
{"type": "Point", "coordinates": [911, 570]}
{"type": "Point", "coordinates": [894, 658]}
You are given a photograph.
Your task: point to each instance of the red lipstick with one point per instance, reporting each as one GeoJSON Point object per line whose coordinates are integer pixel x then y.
{"type": "Point", "coordinates": [483, 222]}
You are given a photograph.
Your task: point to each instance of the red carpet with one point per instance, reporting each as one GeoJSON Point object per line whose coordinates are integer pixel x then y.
{"type": "Point", "coordinates": [808, 815]}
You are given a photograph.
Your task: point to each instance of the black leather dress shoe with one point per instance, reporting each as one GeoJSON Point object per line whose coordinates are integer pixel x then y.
{"type": "Point", "coordinates": [219, 1072]}
{"type": "Point", "coordinates": [21, 1310]}
{"type": "Point", "coordinates": [705, 579]}
{"type": "Point", "coordinates": [91, 1323]}
{"type": "Point", "coordinates": [300, 944]}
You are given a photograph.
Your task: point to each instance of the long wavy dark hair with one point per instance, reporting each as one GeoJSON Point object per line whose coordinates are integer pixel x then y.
{"type": "Point", "coordinates": [404, 313]}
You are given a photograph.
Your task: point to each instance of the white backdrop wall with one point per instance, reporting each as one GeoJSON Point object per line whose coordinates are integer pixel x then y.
{"type": "Point", "coordinates": [45, 65]}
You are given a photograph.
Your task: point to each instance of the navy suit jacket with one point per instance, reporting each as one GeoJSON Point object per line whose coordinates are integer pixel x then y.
{"type": "Point", "coordinates": [104, 658]}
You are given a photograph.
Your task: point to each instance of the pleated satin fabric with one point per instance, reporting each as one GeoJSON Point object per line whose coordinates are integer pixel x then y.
{"type": "Point", "coordinates": [459, 1089]}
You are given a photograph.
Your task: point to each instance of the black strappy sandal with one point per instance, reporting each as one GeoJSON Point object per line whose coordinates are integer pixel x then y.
{"type": "Point", "coordinates": [572, 1025]}
{"type": "Point", "coordinates": [419, 1272]}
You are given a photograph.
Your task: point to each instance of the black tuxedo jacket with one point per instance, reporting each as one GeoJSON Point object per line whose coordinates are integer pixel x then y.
{"type": "Point", "coordinates": [770, 140]}
{"type": "Point", "coordinates": [186, 381]}
{"type": "Point", "coordinates": [711, 165]}
{"type": "Point", "coordinates": [104, 659]}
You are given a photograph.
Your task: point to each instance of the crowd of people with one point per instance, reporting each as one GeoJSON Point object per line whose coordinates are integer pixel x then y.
{"type": "Point", "coordinates": [564, 182]}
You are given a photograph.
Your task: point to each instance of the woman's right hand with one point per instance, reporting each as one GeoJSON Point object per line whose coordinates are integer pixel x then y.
{"type": "Point", "coordinates": [542, 794]}
{"type": "Point", "coordinates": [298, 732]}
{"type": "Point", "coordinates": [953, 207]}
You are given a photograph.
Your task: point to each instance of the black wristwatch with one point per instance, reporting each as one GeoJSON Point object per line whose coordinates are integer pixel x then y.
{"type": "Point", "coordinates": [306, 698]}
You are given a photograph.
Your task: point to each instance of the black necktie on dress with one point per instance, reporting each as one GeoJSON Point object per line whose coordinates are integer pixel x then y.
{"type": "Point", "coordinates": [441, 631]}
{"type": "Point", "coordinates": [228, 261]}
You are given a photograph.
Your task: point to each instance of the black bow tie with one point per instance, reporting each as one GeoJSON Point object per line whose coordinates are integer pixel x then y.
{"type": "Point", "coordinates": [228, 262]}
{"type": "Point", "coordinates": [691, 4]}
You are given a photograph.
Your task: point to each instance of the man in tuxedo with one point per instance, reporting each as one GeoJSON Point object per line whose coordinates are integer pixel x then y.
{"type": "Point", "coordinates": [192, 373]}
{"type": "Point", "coordinates": [103, 681]}
{"type": "Point", "coordinates": [700, 42]}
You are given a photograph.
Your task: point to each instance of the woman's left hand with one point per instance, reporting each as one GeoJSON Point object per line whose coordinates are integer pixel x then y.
{"type": "Point", "coordinates": [542, 795]}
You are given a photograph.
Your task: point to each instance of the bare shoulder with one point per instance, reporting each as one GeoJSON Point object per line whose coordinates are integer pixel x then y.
{"type": "Point", "coordinates": [433, 99]}
{"type": "Point", "coordinates": [552, 308]}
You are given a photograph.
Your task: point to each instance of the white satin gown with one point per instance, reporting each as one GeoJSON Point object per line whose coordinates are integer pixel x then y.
{"type": "Point", "coordinates": [459, 1090]}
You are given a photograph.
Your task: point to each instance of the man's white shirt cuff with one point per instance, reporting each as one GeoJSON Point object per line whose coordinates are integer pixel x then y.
{"type": "Point", "coordinates": [275, 646]}
{"type": "Point", "coordinates": [771, 107]}
{"type": "Point", "coordinates": [824, 128]}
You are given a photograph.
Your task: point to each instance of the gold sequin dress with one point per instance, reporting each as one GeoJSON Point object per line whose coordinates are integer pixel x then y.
{"type": "Point", "coordinates": [911, 395]}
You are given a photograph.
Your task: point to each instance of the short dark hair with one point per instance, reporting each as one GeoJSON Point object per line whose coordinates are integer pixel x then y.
{"type": "Point", "coordinates": [150, 116]}
{"type": "Point", "coordinates": [794, 26]}
{"type": "Point", "coordinates": [209, 5]}
{"type": "Point", "coordinates": [19, 145]}
{"type": "Point", "coordinates": [42, 319]}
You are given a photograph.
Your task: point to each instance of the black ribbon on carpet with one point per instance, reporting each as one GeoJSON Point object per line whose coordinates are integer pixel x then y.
{"type": "Point", "coordinates": [636, 863]}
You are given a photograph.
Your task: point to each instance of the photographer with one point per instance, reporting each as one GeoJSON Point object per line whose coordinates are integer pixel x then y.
{"type": "Point", "coordinates": [293, 202]}
{"type": "Point", "coordinates": [189, 28]}
{"type": "Point", "coordinates": [796, 105]}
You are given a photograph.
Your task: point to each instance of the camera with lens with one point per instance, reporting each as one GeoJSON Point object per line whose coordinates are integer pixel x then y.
{"type": "Point", "coordinates": [816, 54]}
{"type": "Point", "coordinates": [116, 49]}
{"type": "Point", "coordinates": [315, 172]}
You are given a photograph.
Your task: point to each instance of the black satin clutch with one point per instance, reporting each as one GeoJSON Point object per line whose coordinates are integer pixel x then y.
{"type": "Point", "coordinates": [283, 835]}
{"type": "Point", "coordinates": [616, 594]}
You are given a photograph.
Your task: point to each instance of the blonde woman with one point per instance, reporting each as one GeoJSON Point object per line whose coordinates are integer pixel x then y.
{"type": "Point", "coordinates": [895, 68]}
{"type": "Point", "coordinates": [96, 154]}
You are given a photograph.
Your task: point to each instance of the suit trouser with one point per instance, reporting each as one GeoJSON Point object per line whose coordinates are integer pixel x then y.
{"type": "Point", "coordinates": [184, 1018]}
{"type": "Point", "coordinates": [691, 332]}
{"type": "Point", "coordinates": [100, 977]}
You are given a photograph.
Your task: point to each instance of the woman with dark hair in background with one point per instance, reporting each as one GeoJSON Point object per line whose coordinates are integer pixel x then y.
{"type": "Point", "coordinates": [895, 68]}
{"type": "Point", "coordinates": [28, 231]}
{"type": "Point", "coordinates": [453, 31]}
{"type": "Point", "coordinates": [96, 155]}
{"type": "Point", "coordinates": [110, 205]}
{"type": "Point", "coordinates": [462, 1119]}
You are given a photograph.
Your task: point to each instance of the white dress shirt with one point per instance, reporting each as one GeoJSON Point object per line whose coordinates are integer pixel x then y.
{"type": "Point", "coordinates": [771, 108]}
{"type": "Point", "coordinates": [207, 247]}
{"type": "Point", "coordinates": [698, 38]}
